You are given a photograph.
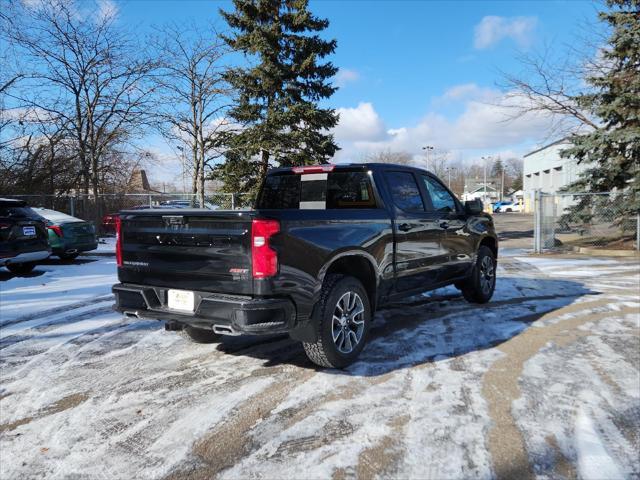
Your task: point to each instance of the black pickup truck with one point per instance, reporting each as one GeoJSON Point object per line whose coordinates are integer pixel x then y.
{"type": "Point", "coordinates": [324, 246]}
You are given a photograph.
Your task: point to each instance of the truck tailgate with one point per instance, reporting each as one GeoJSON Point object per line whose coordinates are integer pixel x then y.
{"type": "Point", "coordinates": [188, 249]}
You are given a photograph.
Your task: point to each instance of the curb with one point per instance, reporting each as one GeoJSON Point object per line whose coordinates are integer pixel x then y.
{"type": "Point", "coordinates": [607, 253]}
{"type": "Point", "coordinates": [98, 254]}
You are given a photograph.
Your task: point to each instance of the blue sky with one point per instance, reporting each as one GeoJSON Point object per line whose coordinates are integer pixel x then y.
{"type": "Point", "coordinates": [419, 72]}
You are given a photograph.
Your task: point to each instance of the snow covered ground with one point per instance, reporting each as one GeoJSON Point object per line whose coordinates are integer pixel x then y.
{"type": "Point", "coordinates": [542, 382]}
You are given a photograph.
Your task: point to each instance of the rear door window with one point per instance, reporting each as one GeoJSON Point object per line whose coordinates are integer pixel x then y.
{"type": "Point", "coordinates": [405, 192]}
{"type": "Point", "coordinates": [317, 191]}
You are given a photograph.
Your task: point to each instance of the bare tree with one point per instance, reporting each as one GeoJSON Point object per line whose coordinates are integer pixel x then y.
{"type": "Point", "coordinates": [549, 85]}
{"type": "Point", "coordinates": [389, 156]}
{"type": "Point", "coordinates": [193, 96]}
{"type": "Point", "coordinates": [82, 73]}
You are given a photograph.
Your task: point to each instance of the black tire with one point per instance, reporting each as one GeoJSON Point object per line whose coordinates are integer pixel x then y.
{"type": "Point", "coordinates": [21, 268]}
{"type": "Point", "coordinates": [68, 257]}
{"type": "Point", "coordinates": [200, 335]}
{"type": "Point", "coordinates": [509, 210]}
{"type": "Point", "coordinates": [327, 352]}
{"type": "Point", "coordinates": [480, 285]}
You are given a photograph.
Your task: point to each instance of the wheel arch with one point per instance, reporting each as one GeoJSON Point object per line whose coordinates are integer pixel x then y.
{"type": "Point", "coordinates": [357, 264]}
{"type": "Point", "coordinates": [491, 243]}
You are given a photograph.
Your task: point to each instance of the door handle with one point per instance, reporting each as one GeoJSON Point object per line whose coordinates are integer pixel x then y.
{"type": "Point", "coordinates": [444, 225]}
{"type": "Point", "coordinates": [405, 227]}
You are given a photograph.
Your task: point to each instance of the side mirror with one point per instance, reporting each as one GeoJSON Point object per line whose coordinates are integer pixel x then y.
{"type": "Point", "coordinates": [473, 207]}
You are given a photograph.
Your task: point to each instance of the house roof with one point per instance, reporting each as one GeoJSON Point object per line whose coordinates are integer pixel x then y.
{"type": "Point", "coordinates": [481, 188]}
{"type": "Point", "coordinates": [557, 142]}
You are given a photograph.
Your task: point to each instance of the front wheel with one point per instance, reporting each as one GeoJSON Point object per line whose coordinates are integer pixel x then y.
{"type": "Point", "coordinates": [479, 287]}
{"type": "Point", "coordinates": [68, 257]}
{"type": "Point", "coordinates": [343, 316]}
{"type": "Point", "coordinates": [21, 268]}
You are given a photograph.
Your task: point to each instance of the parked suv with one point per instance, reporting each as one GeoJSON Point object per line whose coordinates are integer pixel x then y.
{"type": "Point", "coordinates": [324, 247]}
{"type": "Point", "coordinates": [23, 237]}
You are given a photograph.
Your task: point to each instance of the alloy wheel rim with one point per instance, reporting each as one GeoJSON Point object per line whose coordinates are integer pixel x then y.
{"type": "Point", "coordinates": [487, 274]}
{"type": "Point", "coordinates": [347, 325]}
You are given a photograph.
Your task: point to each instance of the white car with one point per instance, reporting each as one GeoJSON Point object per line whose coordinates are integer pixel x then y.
{"type": "Point", "coordinates": [510, 207]}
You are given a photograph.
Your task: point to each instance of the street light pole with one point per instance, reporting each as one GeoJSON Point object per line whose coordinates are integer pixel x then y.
{"type": "Point", "coordinates": [502, 185]}
{"type": "Point", "coordinates": [428, 148]}
{"type": "Point", "coordinates": [484, 199]}
{"type": "Point", "coordinates": [184, 185]}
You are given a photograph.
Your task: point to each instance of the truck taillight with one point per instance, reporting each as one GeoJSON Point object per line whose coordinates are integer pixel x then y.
{"type": "Point", "coordinates": [264, 259]}
{"type": "Point", "coordinates": [118, 223]}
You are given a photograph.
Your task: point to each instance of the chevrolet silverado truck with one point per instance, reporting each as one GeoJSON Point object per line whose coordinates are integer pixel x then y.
{"type": "Point", "coordinates": [324, 247]}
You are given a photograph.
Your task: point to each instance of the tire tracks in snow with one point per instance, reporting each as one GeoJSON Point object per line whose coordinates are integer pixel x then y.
{"type": "Point", "coordinates": [57, 310]}
{"type": "Point", "coordinates": [51, 324]}
{"type": "Point", "coordinates": [500, 383]}
{"type": "Point", "coordinates": [229, 442]}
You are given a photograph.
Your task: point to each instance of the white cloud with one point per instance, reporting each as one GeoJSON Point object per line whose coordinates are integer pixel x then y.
{"type": "Point", "coordinates": [465, 91]}
{"type": "Point", "coordinates": [107, 9]}
{"type": "Point", "coordinates": [361, 123]}
{"type": "Point", "coordinates": [492, 29]}
{"type": "Point", "coordinates": [484, 125]}
{"type": "Point", "coordinates": [345, 76]}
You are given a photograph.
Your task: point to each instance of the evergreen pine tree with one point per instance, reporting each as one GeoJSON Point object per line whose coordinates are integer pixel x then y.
{"type": "Point", "coordinates": [277, 112]}
{"type": "Point", "coordinates": [612, 152]}
{"type": "Point", "coordinates": [496, 170]}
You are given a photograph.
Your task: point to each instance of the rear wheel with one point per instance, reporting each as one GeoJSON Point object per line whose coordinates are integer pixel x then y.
{"type": "Point", "coordinates": [343, 317]}
{"type": "Point", "coordinates": [479, 287]}
{"type": "Point", "coordinates": [21, 268]}
{"type": "Point", "coordinates": [200, 335]}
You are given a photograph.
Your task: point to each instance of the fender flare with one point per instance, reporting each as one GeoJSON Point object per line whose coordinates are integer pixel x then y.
{"type": "Point", "coordinates": [306, 331]}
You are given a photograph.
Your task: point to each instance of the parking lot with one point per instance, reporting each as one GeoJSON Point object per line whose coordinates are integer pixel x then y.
{"type": "Point", "coordinates": [541, 382]}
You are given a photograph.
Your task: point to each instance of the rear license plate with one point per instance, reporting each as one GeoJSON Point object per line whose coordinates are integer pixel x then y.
{"type": "Point", "coordinates": [180, 300]}
{"type": "Point", "coordinates": [29, 231]}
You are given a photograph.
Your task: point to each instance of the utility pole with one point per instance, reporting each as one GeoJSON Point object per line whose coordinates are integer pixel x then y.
{"type": "Point", "coordinates": [502, 181]}
{"type": "Point", "coordinates": [428, 148]}
{"type": "Point", "coordinates": [484, 198]}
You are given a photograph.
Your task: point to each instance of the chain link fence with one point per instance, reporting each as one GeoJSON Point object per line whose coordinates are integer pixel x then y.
{"type": "Point", "coordinates": [575, 221]}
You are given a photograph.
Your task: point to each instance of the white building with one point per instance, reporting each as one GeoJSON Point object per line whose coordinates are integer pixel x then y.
{"type": "Point", "coordinates": [545, 170]}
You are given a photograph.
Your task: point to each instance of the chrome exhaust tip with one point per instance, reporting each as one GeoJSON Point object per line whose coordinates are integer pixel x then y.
{"type": "Point", "coordinates": [225, 330]}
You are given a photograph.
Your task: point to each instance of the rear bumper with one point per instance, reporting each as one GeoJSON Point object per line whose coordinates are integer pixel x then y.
{"type": "Point", "coordinates": [26, 257]}
{"type": "Point", "coordinates": [226, 314]}
{"type": "Point", "coordinates": [71, 247]}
